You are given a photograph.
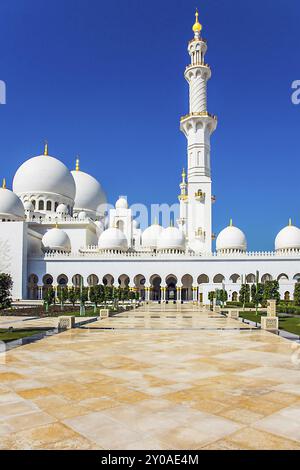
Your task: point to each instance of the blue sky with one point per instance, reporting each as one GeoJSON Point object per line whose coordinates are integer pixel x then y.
{"type": "Point", "coordinates": [105, 80]}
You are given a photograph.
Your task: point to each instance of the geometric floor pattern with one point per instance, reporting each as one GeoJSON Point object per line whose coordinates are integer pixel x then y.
{"type": "Point", "coordinates": [154, 378]}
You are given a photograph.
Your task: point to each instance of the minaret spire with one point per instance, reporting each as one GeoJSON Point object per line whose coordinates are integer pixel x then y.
{"type": "Point", "coordinates": [4, 183]}
{"type": "Point", "coordinates": [46, 148]}
{"type": "Point", "coordinates": [77, 168]}
{"type": "Point", "coordinates": [197, 27]}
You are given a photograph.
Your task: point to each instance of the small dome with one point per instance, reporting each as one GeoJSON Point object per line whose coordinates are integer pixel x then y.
{"type": "Point", "coordinates": [82, 215]}
{"type": "Point", "coordinates": [62, 209]}
{"type": "Point", "coordinates": [288, 238]}
{"type": "Point", "coordinates": [231, 238]}
{"type": "Point", "coordinates": [196, 246]}
{"type": "Point", "coordinates": [28, 206]}
{"type": "Point", "coordinates": [56, 240]}
{"type": "Point", "coordinates": [113, 239]}
{"type": "Point", "coordinates": [151, 235]}
{"type": "Point", "coordinates": [10, 205]}
{"type": "Point", "coordinates": [90, 196]}
{"type": "Point", "coordinates": [44, 175]}
{"type": "Point", "coordinates": [122, 203]}
{"type": "Point", "coordinates": [171, 238]}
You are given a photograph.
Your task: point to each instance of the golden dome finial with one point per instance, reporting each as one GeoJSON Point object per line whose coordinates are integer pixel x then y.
{"type": "Point", "coordinates": [4, 183]}
{"type": "Point", "coordinates": [230, 223]}
{"type": "Point", "coordinates": [46, 148]}
{"type": "Point", "coordinates": [77, 168]}
{"type": "Point", "coordinates": [183, 174]}
{"type": "Point", "coordinates": [197, 27]}
{"type": "Point", "coordinates": [290, 222]}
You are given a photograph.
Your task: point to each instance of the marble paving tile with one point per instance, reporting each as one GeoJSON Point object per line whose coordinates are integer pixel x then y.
{"type": "Point", "coordinates": [152, 383]}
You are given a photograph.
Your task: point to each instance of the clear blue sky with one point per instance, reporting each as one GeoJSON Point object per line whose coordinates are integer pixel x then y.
{"type": "Point", "coordinates": [105, 80]}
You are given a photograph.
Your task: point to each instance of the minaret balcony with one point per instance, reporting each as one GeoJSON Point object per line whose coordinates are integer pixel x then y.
{"type": "Point", "coordinates": [200, 196]}
{"type": "Point", "coordinates": [197, 64]}
{"type": "Point", "coordinates": [200, 114]}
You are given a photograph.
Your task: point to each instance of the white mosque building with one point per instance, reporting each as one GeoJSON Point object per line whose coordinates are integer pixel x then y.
{"type": "Point", "coordinates": [55, 227]}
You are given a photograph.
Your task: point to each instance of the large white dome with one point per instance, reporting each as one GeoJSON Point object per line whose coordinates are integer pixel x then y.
{"type": "Point", "coordinates": [113, 239]}
{"type": "Point", "coordinates": [171, 238]}
{"type": "Point", "coordinates": [90, 196]}
{"type": "Point", "coordinates": [44, 175]}
{"type": "Point", "coordinates": [288, 238]}
{"type": "Point", "coordinates": [231, 239]}
{"type": "Point", "coordinates": [56, 239]}
{"type": "Point", "coordinates": [151, 235]}
{"type": "Point", "coordinates": [11, 206]}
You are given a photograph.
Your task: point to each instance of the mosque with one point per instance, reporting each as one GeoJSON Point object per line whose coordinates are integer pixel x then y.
{"type": "Point", "coordinates": [55, 228]}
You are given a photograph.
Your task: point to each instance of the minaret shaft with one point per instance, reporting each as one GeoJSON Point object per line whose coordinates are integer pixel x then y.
{"type": "Point", "coordinates": [198, 126]}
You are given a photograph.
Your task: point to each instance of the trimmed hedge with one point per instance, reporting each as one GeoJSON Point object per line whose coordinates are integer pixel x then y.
{"type": "Point", "coordinates": [240, 304]}
{"type": "Point", "coordinates": [293, 309]}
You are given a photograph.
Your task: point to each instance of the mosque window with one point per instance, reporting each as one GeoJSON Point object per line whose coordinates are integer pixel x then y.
{"type": "Point", "coordinates": [55, 206]}
{"type": "Point", "coordinates": [49, 205]}
{"type": "Point", "coordinates": [33, 203]}
{"type": "Point", "coordinates": [41, 205]}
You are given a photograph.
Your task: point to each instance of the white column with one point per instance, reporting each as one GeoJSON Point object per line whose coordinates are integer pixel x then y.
{"type": "Point", "coordinates": [178, 289]}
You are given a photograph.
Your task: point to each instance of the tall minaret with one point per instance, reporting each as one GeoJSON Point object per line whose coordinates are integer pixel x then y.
{"type": "Point", "coordinates": [198, 126]}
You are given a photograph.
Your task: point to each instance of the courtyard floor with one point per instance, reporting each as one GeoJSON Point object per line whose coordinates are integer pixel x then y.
{"type": "Point", "coordinates": [154, 378]}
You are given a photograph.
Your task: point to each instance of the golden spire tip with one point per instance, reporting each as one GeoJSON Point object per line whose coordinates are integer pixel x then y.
{"type": "Point", "coordinates": [4, 183]}
{"type": "Point", "coordinates": [197, 27]}
{"type": "Point", "coordinates": [230, 223]}
{"type": "Point", "coordinates": [46, 148]}
{"type": "Point", "coordinates": [290, 222]}
{"type": "Point", "coordinates": [77, 164]}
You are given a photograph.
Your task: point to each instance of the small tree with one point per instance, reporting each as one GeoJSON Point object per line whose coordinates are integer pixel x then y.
{"type": "Point", "coordinates": [257, 294]}
{"type": "Point", "coordinates": [297, 293]}
{"type": "Point", "coordinates": [62, 295]}
{"type": "Point", "coordinates": [97, 294]}
{"type": "Point", "coordinates": [73, 295]}
{"type": "Point", "coordinates": [84, 295]}
{"type": "Point", "coordinates": [49, 298]}
{"type": "Point", "coordinates": [211, 296]}
{"type": "Point", "coordinates": [6, 284]}
{"type": "Point", "coordinates": [108, 293]}
{"type": "Point", "coordinates": [271, 291]}
{"type": "Point", "coordinates": [244, 294]}
{"type": "Point", "coordinates": [223, 296]}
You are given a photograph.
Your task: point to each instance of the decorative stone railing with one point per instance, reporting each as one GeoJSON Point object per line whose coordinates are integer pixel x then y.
{"type": "Point", "coordinates": [59, 220]}
{"type": "Point", "coordinates": [94, 252]}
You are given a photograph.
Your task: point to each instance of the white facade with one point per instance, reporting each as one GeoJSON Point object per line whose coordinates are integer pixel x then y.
{"type": "Point", "coordinates": [54, 226]}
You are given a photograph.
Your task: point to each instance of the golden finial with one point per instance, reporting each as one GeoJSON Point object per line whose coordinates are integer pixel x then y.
{"type": "Point", "coordinates": [197, 27]}
{"type": "Point", "coordinates": [230, 223]}
{"type": "Point", "coordinates": [290, 222]}
{"type": "Point", "coordinates": [77, 168]}
{"type": "Point", "coordinates": [4, 183]}
{"type": "Point", "coordinates": [46, 148]}
{"type": "Point", "coordinates": [183, 174]}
